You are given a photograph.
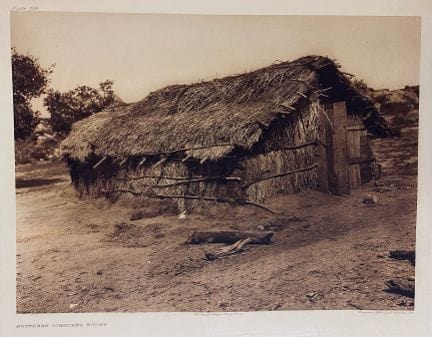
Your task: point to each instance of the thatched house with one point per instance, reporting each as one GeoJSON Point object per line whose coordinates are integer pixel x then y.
{"type": "Point", "coordinates": [240, 138]}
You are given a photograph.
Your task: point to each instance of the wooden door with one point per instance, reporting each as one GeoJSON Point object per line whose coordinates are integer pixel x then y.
{"type": "Point", "coordinates": [345, 156]}
{"type": "Point", "coordinates": [333, 159]}
{"type": "Point", "coordinates": [360, 153]}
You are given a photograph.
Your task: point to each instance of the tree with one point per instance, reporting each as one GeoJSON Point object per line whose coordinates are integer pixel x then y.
{"type": "Point", "coordinates": [68, 107]}
{"type": "Point", "coordinates": [29, 80]}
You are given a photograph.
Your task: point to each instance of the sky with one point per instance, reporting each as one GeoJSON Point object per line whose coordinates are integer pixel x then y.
{"type": "Point", "coordinates": [145, 52]}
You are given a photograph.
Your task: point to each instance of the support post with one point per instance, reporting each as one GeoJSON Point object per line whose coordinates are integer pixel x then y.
{"type": "Point", "coordinates": [322, 155]}
{"type": "Point", "coordinates": [340, 151]}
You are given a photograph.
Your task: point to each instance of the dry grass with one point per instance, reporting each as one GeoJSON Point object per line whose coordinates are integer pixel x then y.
{"type": "Point", "coordinates": [297, 129]}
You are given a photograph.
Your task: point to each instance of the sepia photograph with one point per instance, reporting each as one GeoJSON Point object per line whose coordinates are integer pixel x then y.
{"type": "Point", "coordinates": [214, 163]}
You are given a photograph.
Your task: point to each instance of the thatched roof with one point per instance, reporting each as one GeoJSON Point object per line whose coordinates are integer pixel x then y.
{"type": "Point", "coordinates": [212, 118]}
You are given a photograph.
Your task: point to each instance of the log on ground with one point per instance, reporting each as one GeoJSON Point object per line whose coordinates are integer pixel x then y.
{"type": "Point", "coordinates": [228, 250]}
{"type": "Point", "coordinates": [403, 255]}
{"type": "Point", "coordinates": [230, 237]}
{"type": "Point", "coordinates": [401, 287]}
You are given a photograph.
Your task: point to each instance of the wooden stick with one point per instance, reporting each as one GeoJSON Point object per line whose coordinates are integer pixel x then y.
{"type": "Point", "coordinates": [288, 107]}
{"type": "Point", "coordinates": [196, 180]}
{"type": "Point", "coordinates": [163, 160]}
{"type": "Point", "coordinates": [229, 250]}
{"type": "Point", "coordinates": [248, 202]}
{"type": "Point", "coordinates": [183, 178]}
{"type": "Point", "coordinates": [298, 146]}
{"type": "Point", "coordinates": [186, 158]}
{"type": "Point", "coordinates": [157, 177]}
{"type": "Point", "coordinates": [296, 80]}
{"type": "Point", "coordinates": [302, 94]}
{"type": "Point", "coordinates": [142, 161]}
{"type": "Point", "coordinates": [292, 147]}
{"type": "Point", "coordinates": [280, 175]}
{"type": "Point", "coordinates": [185, 149]}
{"type": "Point", "coordinates": [163, 196]}
{"type": "Point", "coordinates": [99, 162]}
{"type": "Point", "coordinates": [190, 197]}
{"type": "Point", "coordinates": [230, 237]}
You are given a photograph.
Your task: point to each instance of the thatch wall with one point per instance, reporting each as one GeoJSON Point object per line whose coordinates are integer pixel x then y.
{"type": "Point", "coordinates": [268, 158]}
{"type": "Point", "coordinates": [275, 159]}
{"type": "Point", "coordinates": [149, 180]}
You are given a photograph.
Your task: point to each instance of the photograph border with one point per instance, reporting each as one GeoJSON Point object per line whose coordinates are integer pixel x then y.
{"type": "Point", "coordinates": [289, 323]}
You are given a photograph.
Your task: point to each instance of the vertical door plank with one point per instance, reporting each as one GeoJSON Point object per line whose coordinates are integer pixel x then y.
{"type": "Point", "coordinates": [340, 152]}
{"type": "Point", "coordinates": [331, 173]}
{"type": "Point", "coordinates": [322, 155]}
{"type": "Point", "coordinates": [353, 144]}
{"type": "Point", "coordinates": [367, 155]}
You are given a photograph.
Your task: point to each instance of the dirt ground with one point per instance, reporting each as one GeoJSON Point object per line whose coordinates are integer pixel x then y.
{"type": "Point", "coordinates": [333, 255]}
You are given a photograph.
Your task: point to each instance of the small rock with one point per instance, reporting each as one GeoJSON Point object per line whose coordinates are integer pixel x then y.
{"type": "Point", "coordinates": [311, 295]}
{"type": "Point", "coordinates": [370, 199]}
{"type": "Point", "coordinates": [99, 272]}
{"type": "Point", "coordinates": [277, 306]}
{"type": "Point", "coordinates": [73, 305]}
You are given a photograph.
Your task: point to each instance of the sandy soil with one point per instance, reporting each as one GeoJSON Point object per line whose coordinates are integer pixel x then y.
{"type": "Point", "coordinates": [72, 258]}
